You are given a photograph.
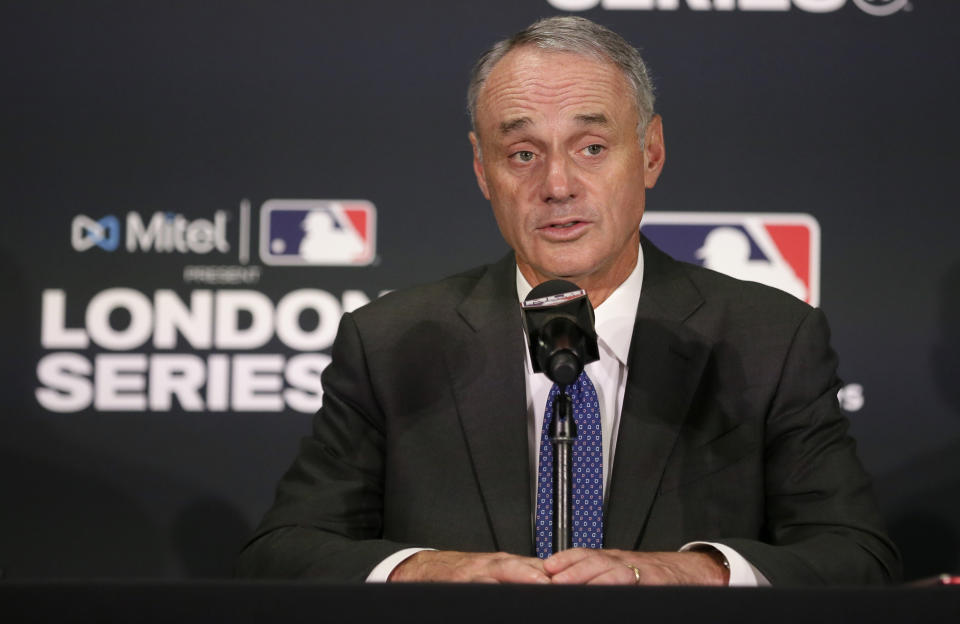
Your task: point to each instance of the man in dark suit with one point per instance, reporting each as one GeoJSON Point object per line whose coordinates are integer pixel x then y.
{"type": "Point", "coordinates": [730, 459]}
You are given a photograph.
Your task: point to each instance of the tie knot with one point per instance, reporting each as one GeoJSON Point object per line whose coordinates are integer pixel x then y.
{"type": "Point", "coordinates": [581, 390]}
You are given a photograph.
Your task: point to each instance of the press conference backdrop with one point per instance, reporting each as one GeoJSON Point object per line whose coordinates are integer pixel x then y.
{"type": "Point", "coordinates": [193, 193]}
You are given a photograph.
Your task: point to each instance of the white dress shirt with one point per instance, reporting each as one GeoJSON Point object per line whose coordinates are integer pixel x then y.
{"type": "Point", "coordinates": [614, 320]}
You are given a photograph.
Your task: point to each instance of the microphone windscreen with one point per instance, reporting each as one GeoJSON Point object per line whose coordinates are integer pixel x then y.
{"type": "Point", "coordinates": [551, 288]}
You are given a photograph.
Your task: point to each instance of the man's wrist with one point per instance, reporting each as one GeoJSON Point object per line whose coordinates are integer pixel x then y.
{"type": "Point", "coordinates": [722, 565]}
{"type": "Point", "coordinates": [742, 572]}
{"type": "Point", "coordinates": [381, 573]}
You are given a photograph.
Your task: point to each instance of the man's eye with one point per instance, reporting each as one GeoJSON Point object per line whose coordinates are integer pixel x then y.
{"type": "Point", "coordinates": [524, 155]}
{"type": "Point", "coordinates": [593, 150]}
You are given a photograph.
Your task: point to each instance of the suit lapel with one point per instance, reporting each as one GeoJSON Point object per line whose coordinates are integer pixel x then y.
{"type": "Point", "coordinates": [488, 385]}
{"type": "Point", "coordinates": [665, 363]}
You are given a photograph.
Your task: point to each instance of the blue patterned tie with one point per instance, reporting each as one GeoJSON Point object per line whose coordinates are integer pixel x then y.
{"type": "Point", "coordinates": [587, 495]}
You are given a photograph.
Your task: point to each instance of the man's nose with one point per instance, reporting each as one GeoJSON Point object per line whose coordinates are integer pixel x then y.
{"type": "Point", "coordinates": [560, 180]}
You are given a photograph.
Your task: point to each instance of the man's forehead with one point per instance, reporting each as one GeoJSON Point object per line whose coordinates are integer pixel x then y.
{"type": "Point", "coordinates": [527, 66]}
{"type": "Point", "coordinates": [527, 78]}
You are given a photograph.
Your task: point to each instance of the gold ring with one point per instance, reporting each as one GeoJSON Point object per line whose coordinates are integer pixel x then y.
{"type": "Point", "coordinates": [636, 571]}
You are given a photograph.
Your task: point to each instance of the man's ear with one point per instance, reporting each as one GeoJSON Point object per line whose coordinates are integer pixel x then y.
{"type": "Point", "coordinates": [478, 165]}
{"type": "Point", "coordinates": [654, 152]}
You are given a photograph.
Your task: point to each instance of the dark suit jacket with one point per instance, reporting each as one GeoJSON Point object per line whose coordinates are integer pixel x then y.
{"type": "Point", "coordinates": [730, 432]}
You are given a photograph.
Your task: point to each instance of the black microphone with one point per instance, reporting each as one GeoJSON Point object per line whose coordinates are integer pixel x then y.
{"type": "Point", "coordinates": [558, 319]}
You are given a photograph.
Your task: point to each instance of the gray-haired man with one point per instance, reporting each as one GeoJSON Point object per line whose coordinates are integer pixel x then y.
{"type": "Point", "coordinates": [725, 456]}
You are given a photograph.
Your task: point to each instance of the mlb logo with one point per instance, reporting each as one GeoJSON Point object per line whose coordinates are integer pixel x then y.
{"type": "Point", "coordinates": [777, 249]}
{"type": "Point", "coordinates": [318, 232]}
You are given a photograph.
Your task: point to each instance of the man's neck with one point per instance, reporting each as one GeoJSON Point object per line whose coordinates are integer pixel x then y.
{"type": "Point", "coordinates": [599, 285]}
{"type": "Point", "coordinates": [524, 284]}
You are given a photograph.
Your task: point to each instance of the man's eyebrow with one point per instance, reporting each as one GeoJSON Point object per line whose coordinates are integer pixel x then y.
{"type": "Point", "coordinates": [514, 124]}
{"type": "Point", "coordinates": [586, 119]}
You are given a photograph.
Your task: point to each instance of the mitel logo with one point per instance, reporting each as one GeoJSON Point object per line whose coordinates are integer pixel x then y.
{"type": "Point", "coordinates": [777, 249]}
{"type": "Point", "coordinates": [326, 232]}
{"type": "Point", "coordinates": [164, 232]}
{"type": "Point", "coordinates": [873, 7]}
{"type": "Point", "coordinates": [86, 233]}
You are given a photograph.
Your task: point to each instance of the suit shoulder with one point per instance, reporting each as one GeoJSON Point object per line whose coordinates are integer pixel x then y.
{"type": "Point", "coordinates": [719, 289]}
{"type": "Point", "coordinates": [422, 300]}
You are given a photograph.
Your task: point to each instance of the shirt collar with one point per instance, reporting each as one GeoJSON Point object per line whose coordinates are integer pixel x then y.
{"type": "Point", "coordinates": [615, 317]}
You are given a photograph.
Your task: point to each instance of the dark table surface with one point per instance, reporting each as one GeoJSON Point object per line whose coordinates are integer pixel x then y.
{"type": "Point", "coordinates": [242, 601]}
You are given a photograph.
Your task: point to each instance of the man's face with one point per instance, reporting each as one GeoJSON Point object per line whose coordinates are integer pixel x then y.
{"type": "Point", "coordinates": [559, 158]}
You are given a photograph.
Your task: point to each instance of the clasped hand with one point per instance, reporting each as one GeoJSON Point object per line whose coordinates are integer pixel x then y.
{"type": "Point", "coordinates": [578, 566]}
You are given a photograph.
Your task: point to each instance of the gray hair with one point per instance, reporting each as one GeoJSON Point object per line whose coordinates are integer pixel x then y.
{"type": "Point", "coordinates": [578, 36]}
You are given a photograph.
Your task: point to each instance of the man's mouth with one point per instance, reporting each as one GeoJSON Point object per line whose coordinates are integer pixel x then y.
{"type": "Point", "coordinates": [564, 231]}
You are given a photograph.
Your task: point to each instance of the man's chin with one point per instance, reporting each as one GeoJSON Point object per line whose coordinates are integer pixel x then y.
{"type": "Point", "coordinates": [569, 271]}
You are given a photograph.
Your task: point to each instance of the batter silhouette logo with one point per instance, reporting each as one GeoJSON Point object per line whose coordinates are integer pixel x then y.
{"type": "Point", "coordinates": [777, 249]}
{"type": "Point", "coordinates": [318, 232]}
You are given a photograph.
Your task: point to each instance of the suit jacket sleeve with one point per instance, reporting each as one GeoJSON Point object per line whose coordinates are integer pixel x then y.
{"type": "Point", "coordinates": [326, 520]}
{"type": "Point", "coordinates": [822, 524]}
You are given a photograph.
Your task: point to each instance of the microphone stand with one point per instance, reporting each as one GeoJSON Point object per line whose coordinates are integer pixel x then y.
{"type": "Point", "coordinates": [563, 432]}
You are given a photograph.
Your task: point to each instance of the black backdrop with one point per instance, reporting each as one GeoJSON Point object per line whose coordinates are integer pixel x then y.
{"type": "Point", "coordinates": [195, 108]}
